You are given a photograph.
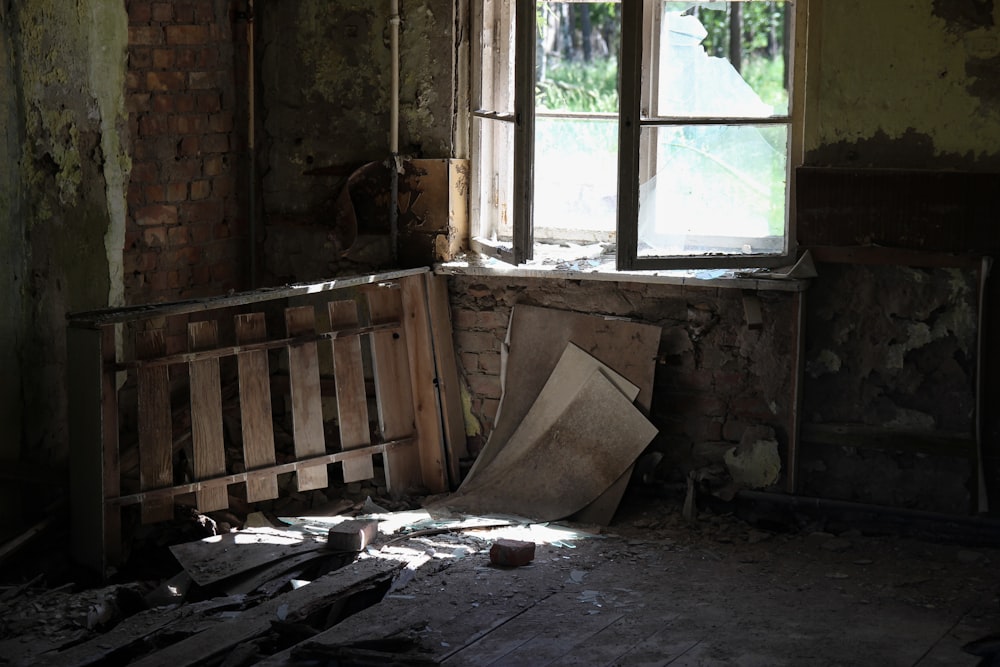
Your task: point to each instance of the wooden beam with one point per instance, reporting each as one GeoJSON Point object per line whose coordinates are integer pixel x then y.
{"type": "Point", "coordinates": [206, 416]}
{"type": "Point", "coordinates": [155, 426]}
{"type": "Point", "coordinates": [352, 401]}
{"type": "Point", "coordinates": [307, 405]}
{"type": "Point", "coordinates": [255, 408]}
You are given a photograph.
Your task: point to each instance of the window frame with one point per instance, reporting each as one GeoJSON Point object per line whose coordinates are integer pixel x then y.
{"type": "Point", "coordinates": [635, 57]}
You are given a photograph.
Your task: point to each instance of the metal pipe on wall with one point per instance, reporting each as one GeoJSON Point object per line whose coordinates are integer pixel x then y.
{"type": "Point", "coordinates": [394, 162]}
{"type": "Point", "coordinates": [252, 177]}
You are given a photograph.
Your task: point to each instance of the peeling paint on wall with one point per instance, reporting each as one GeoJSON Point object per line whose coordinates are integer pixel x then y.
{"type": "Point", "coordinates": [908, 84]}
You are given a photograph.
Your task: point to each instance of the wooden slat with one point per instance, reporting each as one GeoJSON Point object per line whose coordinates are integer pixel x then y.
{"type": "Point", "coordinates": [449, 389]}
{"type": "Point", "coordinates": [352, 403]}
{"type": "Point", "coordinates": [155, 436]}
{"type": "Point", "coordinates": [255, 407]}
{"type": "Point", "coordinates": [307, 405]}
{"type": "Point", "coordinates": [392, 391]}
{"type": "Point", "coordinates": [206, 416]}
{"type": "Point", "coordinates": [112, 457]}
{"type": "Point", "coordinates": [423, 381]}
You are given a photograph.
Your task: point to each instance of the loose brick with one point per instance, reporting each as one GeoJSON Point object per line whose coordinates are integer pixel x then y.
{"type": "Point", "coordinates": [352, 535]}
{"type": "Point", "coordinates": [512, 553]}
{"type": "Point", "coordinates": [165, 81]}
{"type": "Point", "coordinates": [156, 214]}
{"type": "Point", "coordinates": [186, 34]}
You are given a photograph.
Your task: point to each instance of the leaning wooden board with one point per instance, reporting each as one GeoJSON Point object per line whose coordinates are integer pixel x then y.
{"type": "Point", "coordinates": [307, 404]}
{"type": "Point", "coordinates": [352, 402]}
{"type": "Point", "coordinates": [155, 427]}
{"type": "Point", "coordinates": [206, 416]}
{"type": "Point", "coordinates": [255, 407]}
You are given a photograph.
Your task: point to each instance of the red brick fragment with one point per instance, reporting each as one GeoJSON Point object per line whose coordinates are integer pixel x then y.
{"type": "Point", "coordinates": [512, 553]}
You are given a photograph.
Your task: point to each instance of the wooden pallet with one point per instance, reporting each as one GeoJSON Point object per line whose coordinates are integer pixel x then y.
{"type": "Point", "coordinates": [384, 318]}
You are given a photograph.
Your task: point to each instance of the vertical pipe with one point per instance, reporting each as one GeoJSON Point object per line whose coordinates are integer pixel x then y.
{"type": "Point", "coordinates": [252, 185]}
{"type": "Point", "coordinates": [394, 162]}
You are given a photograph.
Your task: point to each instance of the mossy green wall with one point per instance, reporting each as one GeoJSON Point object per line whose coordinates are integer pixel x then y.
{"type": "Point", "coordinates": [63, 202]}
{"type": "Point", "coordinates": [905, 83]}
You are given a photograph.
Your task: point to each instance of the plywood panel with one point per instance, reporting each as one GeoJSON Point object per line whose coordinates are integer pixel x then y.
{"type": "Point", "coordinates": [307, 406]}
{"type": "Point", "coordinates": [392, 390]}
{"type": "Point", "coordinates": [352, 402]}
{"type": "Point", "coordinates": [155, 427]}
{"type": "Point", "coordinates": [255, 407]}
{"type": "Point", "coordinates": [423, 383]}
{"type": "Point", "coordinates": [206, 416]}
{"type": "Point", "coordinates": [449, 389]}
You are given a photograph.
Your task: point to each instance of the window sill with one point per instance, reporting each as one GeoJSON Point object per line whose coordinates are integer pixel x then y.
{"type": "Point", "coordinates": [603, 269]}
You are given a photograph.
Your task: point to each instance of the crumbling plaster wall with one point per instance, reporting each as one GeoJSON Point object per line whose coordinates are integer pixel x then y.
{"type": "Point", "coordinates": [905, 83]}
{"type": "Point", "coordinates": [325, 109]}
{"type": "Point", "coordinates": [61, 198]}
{"type": "Point", "coordinates": [714, 375]}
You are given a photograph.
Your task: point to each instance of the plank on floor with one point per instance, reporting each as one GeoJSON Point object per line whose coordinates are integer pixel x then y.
{"type": "Point", "coordinates": [352, 402]}
{"type": "Point", "coordinates": [206, 416]}
{"type": "Point", "coordinates": [255, 407]}
{"type": "Point", "coordinates": [307, 405]}
{"type": "Point", "coordinates": [155, 426]}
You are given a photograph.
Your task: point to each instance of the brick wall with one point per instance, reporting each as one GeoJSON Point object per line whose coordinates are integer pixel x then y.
{"type": "Point", "coordinates": [186, 226]}
{"type": "Point", "coordinates": [714, 375]}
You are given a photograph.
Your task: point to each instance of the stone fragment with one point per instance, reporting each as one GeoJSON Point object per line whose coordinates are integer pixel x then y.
{"type": "Point", "coordinates": [512, 553]}
{"type": "Point", "coordinates": [353, 535]}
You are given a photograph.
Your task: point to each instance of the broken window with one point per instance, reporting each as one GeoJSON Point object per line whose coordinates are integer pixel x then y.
{"type": "Point", "coordinates": [659, 131]}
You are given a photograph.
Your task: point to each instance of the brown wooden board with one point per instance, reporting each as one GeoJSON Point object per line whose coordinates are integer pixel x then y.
{"type": "Point", "coordinates": [392, 391]}
{"type": "Point", "coordinates": [537, 338]}
{"type": "Point", "coordinates": [449, 389]}
{"type": "Point", "coordinates": [352, 402]}
{"type": "Point", "coordinates": [423, 381]}
{"type": "Point", "coordinates": [155, 427]}
{"type": "Point", "coordinates": [206, 416]}
{"type": "Point", "coordinates": [224, 556]}
{"type": "Point", "coordinates": [297, 605]}
{"type": "Point", "coordinates": [307, 405]}
{"type": "Point", "coordinates": [255, 407]}
{"type": "Point", "coordinates": [566, 459]}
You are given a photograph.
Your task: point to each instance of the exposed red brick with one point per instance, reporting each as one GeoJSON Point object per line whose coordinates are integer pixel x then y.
{"type": "Point", "coordinates": [486, 386]}
{"type": "Point", "coordinates": [164, 58]}
{"type": "Point", "coordinates": [139, 13]}
{"type": "Point", "coordinates": [186, 34]}
{"type": "Point", "coordinates": [155, 193]}
{"type": "Point", "coordinates": [155, 237]}
{"type": "Point", "coordinates": [183, 12]}
{"type": "Point", "coordinates": [489, 362]}
{"type": "Point", "coordinates": [182, 170]}
{"type": "Point", "coordinates": [163, 103]}
{"type": "Point", "coordinates": [177, 191]}
{"type": "Point", "coordinates": [200, 233]}
{"type": "Point", "coordinates": [176, 278]}
{"type": "Point", "coordinates": [215, 143]}
{"type": "Point", "coordinates": [145, 35]}
{"type": "Point", "coordinates": [204, 80]}
{"type": "Point", "coordinates": [208, 58]}
{"type": "Point", "coordinates": [209, 102]}
{"type": "Point", "coordinates": [214, 165]}
{"type": "Point", "coordinates": [145, 172]}
{"type": "Point", "coordinates": [163, 12]}
{"type": "Point", "coordinates": [200, 190]}
{"type": "Point", "coordinates": [178, 236]}
{"type": "Point", "coordinates": [203, 211]}
{"type": "Point", "coordinates": [137, 102]}
{"type": "Point", "coordinates": [190, 255]}
{"type": "Point", "coordinates": [470, 360]}
{"type": "Point", "coordinates": [201, 275]}
{"type": "Point", "coordinates": [187, 58]}
{"type": "Point", "coordinates": [135, 195]}
{"type": "Point", "coordinates": [163, 81]}
{"type": "Point", "coordinates": [203, 11]}
{"type": "Point", "coordinates": [140, 57]}
{"type": "Point", "coordinates": [491, 319]}
{"type": "Point", "coordinates": [133, 81]}
{"type": "Point", "coordinates": [151, 125]}
{"type": "Point", "coordinates": [185, 103]}
{"type": "Point", "coordinates": [222, 230]}
{"type": "Point", "coordinates": [490, 408]}
{"type": "Point", "coordinates": [512, 553]}
{"type": "Point", "coordinates": [220, 122]}
{"type": "Point", "coordinates": [156, 214]}
{"type": "Point", "coordinates": [190, 124]}
{"type": "Point", "coordinates": [476, 341]}
{"type": "Point", "coordinates": [190, 146]}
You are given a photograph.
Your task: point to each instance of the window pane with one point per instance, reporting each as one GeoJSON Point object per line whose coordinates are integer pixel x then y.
{"type": "Point", "coordinates": [576, 126]}
{"type": "Point", "coordinates": [495, 57]}
{"type": "Point", "coordinates": [720, 59]}
{"type": "Point", "coordinates": [576, 179]}
{"type": "Point", "coordinates": [713, 189]}
{"type": "Point", "coordinates": [492, 200]}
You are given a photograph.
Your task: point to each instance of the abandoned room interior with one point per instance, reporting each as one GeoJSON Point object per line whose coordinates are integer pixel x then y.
{"type": "Point", "coordinates": [316, 313]}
